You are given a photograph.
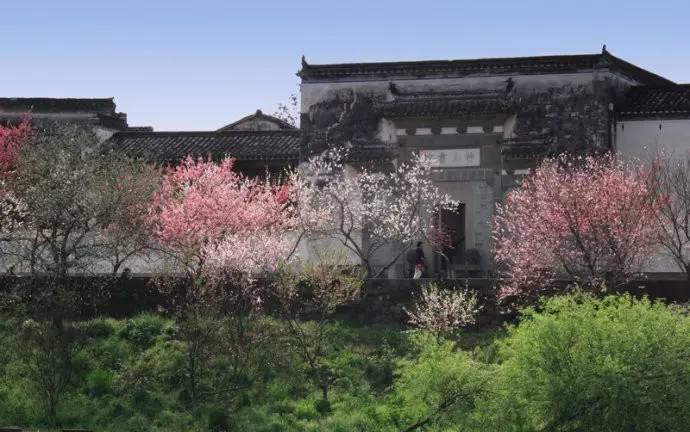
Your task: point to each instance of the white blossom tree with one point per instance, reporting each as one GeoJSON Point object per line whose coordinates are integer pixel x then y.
{"type": "Point", "coordinates": [367, 210]}
{"type": "Point", "coordinates": [444, 311]}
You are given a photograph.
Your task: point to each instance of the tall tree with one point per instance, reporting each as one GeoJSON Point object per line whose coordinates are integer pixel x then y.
{"type": "Point", "coordinates": [314, 290]}
{"type": "Point", "coordinates": [590, 219]}
{"type": "Point", "coordinates": [73, 196]}
{"type": "Point", "coordinates": [224, 229]}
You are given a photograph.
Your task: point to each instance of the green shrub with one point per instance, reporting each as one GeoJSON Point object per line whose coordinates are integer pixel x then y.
{"type": "Point", "coordinates": [99, 382]}
{"type": "Point", "coordinates": [440, 387]}
{"type": "Point", "coordinates": [143, 330]}
{"type": "Point", "coordinates": [322, 406]}
{"type": "Point", "coordinates": [616, 364]}
{"type": "Point", "coordinates": [218, 420]}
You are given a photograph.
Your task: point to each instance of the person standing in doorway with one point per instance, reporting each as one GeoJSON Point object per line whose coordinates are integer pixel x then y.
{"type": "Point", "coordinates": [410, 262]}
{"type": "Point", "coordinates": [420, 262]}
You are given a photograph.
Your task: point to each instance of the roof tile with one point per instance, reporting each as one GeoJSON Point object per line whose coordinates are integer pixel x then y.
{"type": "Point", "coordinates": [243, 145]}
{"type": "Point", "coordinates": [664, 101]}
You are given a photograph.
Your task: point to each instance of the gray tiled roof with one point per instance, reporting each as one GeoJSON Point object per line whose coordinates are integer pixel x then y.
{"type": "Point", "coordinates": [526, 147]}
{"type": "Point", "coordinates": [98, 111]}
{"type": "Point", "coordinates": [648, 101]}
{"type": "Point", "coordinates": [243, 145]}
{"type": "Point", "coordinates": [41, 104]}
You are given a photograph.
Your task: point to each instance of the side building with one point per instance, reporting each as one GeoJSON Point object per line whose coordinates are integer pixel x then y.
{"type": "Point", "coordinates": [260, 143]}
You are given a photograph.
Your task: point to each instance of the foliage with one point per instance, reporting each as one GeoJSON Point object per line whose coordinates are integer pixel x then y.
{"type": "Point", "coordinates": [443, 311]}
{"type": "Point", "coordinates": [315, 289]}
{"type": "Point", "coordinates": [130, 375]}
{"type": "Point", "coordinates": [47, 361]}
{"type": "Point", "coordinates": [71, 191]}
{"type": "Point", "coordinates": [440, 386]}
{"type": "Point", "coordinates": [391, 208]}
{"type": "Point", "coordinates": [596, 365]}
{"type": "Point", "coordinates": [574, 363]}
{"type": "Point", "coordinates": [591, 219]}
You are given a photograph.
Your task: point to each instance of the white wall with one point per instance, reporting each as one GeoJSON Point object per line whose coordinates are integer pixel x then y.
{"type": "Point", "coordinates": [642, 139]}
{"type": "Point", "coordinates": [312, 92]}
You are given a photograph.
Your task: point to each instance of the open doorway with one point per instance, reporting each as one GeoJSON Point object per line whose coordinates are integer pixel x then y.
{"type": "Point", "coordinates": [452, 223]}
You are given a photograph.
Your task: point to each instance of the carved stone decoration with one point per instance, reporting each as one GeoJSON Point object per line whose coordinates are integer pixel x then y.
{"type": "Point", "coordinates": [347, 120]}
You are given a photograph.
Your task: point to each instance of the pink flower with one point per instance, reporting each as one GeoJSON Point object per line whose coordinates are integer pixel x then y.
{"type": "Point", "coordinates": [590, 219]}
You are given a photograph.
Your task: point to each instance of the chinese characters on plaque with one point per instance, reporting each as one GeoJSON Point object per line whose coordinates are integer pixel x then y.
{"type": "Point", "coordinates": [453, 158]}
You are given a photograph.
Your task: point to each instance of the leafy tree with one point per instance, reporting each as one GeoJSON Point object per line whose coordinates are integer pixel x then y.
{"type": "Point", "coordinates": [598, 365]}
{"type": "Point", "coordinates": [314, 290]}
{"type": "Point", "coordinates": [47, 356]}
{"type": "Point", "coordinates": [440, 387]}
{"type": "Point", "coordinates": [591, 219]}
{"type": "Point", "coordinates": [73, 195]}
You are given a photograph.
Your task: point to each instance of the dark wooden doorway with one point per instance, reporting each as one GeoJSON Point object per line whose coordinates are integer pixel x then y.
{"type": "Point", "coordinates": [452, 222]}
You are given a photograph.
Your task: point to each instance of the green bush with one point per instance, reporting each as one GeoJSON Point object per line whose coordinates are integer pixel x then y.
{"type": "Point", "coordinates": [143, 330]}
{"type": "Point", "coordinates": [218, 420]}
{"type": "Point", "coordinates": [99, 382]}
{"type": "Point", "coordinates": [441, 386]}
{"type": "Point", "coordinates": [615, 364]}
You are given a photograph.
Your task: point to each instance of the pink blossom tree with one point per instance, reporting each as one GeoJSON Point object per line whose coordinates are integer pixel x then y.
{"type": "Point", "coordinates": [589, 219]}
{"type": "Point", "coordinates": [12, 139]}
{"type": "Point", "coordinates": [225, 229]}
{"type": "Point", "coordinates": [368, 211]}
{"type": "Point", "coordinates": [218, 222]}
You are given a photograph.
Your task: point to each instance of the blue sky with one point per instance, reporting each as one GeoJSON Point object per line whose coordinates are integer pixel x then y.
{"type": "Point", "coordinates": [196, 65]}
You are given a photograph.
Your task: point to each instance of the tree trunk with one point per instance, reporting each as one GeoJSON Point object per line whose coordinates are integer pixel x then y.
{"type": "Point", "coordinates": [324, 392]}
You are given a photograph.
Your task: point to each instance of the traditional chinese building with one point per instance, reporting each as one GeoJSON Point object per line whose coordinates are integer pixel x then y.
{"type": "Point", "coordinates": [486, 122]}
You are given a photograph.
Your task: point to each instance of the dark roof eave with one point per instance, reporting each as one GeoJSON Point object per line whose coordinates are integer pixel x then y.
{"type": "Point", "coordinates": [46, 104]}
{"type": "Point", "coordinates": [245, 146]}
{"type": "Point", "coordinates": [504, 65]}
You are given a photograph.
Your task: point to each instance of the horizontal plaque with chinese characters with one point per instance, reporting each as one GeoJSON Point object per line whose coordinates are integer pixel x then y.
{"type": "Point", "coordinates": [452, 158]}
